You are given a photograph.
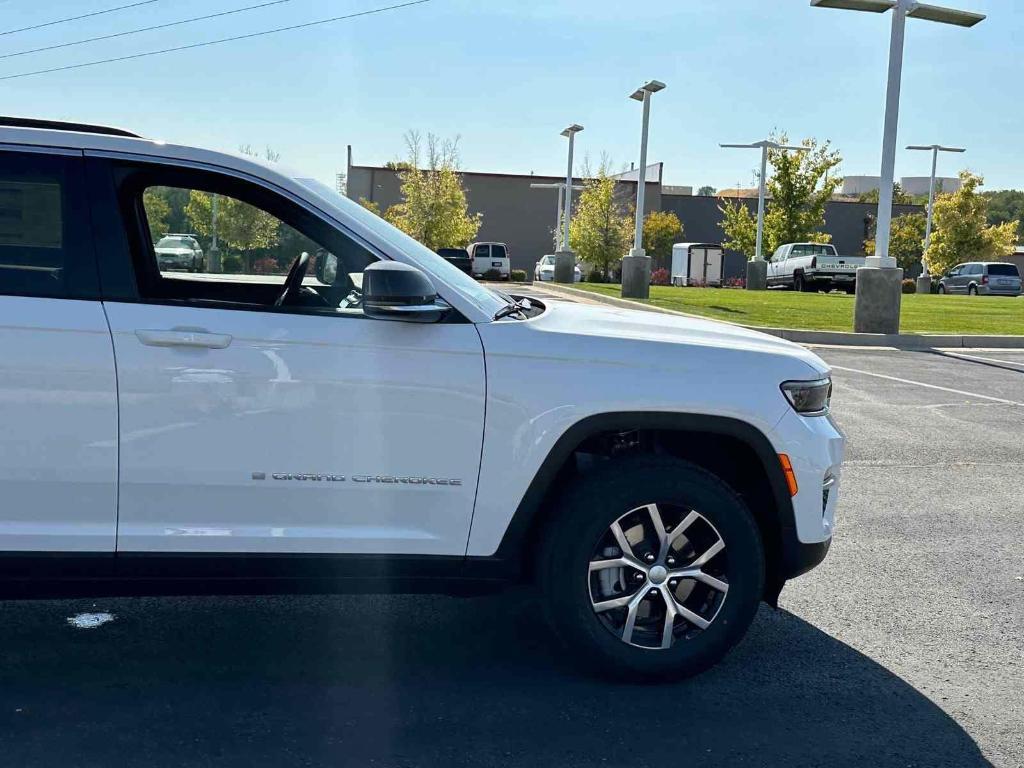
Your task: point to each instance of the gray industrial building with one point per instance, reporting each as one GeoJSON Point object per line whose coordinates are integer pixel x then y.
{"type": "Point", "coordinates": [524, 218]}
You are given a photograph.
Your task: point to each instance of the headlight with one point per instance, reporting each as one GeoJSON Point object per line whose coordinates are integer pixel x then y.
{"type": "Point", "coordinates": [809, 398]}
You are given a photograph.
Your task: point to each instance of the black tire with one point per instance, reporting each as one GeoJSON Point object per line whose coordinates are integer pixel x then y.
{"type": "Point", "coordinates": [942, 289]}
{"type": "Point", "coordinates": [972, 290]}
{"type": "Point", "coordinates": [799, 284]}
{"type": "Point", "coordinates": [580, 521]}
{"type": "Point", "coordinates": [850, 289]}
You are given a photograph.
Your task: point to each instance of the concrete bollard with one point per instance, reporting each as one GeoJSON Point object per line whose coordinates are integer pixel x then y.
{"type": "Point", "coordinates": [636, 275]}
{"type": "Point", "coordinates": [757, 275]}
{"type": "Point", "coordinates": [877, 308]}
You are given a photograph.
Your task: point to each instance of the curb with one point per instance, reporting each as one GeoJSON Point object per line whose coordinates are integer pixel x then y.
{"type": "Point", "coordinates": [836, 338]}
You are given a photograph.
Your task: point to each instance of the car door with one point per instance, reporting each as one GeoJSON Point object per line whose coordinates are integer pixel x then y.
{"type": "Point", "coordinates": [952, 277]}
{"type": "Point", "coordinates": [58, 394]}
{"type": "Point", "coordinates": [304, 428]}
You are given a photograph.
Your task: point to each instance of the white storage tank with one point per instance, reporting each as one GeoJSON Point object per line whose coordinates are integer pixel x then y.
{"type": "Point", "coordinates": [696, 264]}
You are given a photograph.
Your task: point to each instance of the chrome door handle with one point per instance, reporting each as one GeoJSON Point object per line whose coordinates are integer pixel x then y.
{"type": "Point", "coordinates": [184, 337]}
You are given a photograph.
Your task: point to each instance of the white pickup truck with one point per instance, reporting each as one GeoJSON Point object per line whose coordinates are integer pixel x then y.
{"type": "Point", "coordinates": [813, 266]}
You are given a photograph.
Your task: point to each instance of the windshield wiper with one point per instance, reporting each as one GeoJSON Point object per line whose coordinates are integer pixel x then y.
{"type": "Point", "coordinates": [513, 308]}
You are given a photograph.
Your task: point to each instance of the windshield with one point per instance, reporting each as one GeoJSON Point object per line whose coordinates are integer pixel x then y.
{"type": "Point", "coordinates": [445, 272]}
{"type": "Point", "coordinates": [174, 242]}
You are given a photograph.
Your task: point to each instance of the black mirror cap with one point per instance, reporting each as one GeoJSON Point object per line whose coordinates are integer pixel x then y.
{"type": "Point", "coordinates": [396, 291]}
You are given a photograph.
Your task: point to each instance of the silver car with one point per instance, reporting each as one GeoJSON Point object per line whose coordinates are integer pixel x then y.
{"type": "Point", "coordinates": [982, 278]}
{"type": "Point", "coordinates": [179, 252]}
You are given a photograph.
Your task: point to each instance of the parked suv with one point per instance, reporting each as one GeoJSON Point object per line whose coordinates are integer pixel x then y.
{"type": "Point", "coordinates": [986, 278]}
{"type": "Point", "coordinates": [180, 252]}
{"type": "Point", "coordinates": [377, 420]}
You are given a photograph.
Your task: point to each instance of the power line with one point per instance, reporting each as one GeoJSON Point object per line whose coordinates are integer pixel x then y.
{"type": "Point", "coordinates": [76, 18]}
{"type": "Point", "coordinates": [370, 12]}
{"type": "Point", "coordinates": [143, 29]}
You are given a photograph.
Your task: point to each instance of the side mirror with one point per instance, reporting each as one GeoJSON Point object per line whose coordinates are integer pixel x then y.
{"type": "Point", "coordinates": [326, 267]}
{"type": "Point", "coordinates": [396, 291]}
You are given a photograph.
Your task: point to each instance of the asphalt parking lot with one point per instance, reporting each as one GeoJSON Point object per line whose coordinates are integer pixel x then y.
{"type": "Point", "coordinates": [903, 649]}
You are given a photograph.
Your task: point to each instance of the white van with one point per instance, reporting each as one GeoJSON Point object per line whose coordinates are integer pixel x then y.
{"type": "Point", "coordinates": [490, 256]}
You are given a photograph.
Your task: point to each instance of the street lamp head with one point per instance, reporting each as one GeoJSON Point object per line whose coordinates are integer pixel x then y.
{"type": "Point", "coordinates": [574, 128]}
{"type": "Point", "coordinates": [932, 147]}
{"type": "Point", "coordinates": [944, 15]}
{"type": "Point", "coordinates": [652, 86]}
{"type": "Point", "coordinates": [915, 10]}
{"type": "Point", "coordinates": [873, 6]}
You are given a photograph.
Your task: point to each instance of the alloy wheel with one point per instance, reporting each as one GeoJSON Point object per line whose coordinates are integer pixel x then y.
{"type": "Point", "coordinates": [658, 575]}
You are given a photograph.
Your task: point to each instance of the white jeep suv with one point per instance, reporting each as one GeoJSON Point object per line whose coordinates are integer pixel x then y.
{"type": "Point", "coordinates": [374, 419]}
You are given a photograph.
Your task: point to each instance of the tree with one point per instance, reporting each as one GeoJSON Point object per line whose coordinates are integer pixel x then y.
{"type": "Point", "coordinates": [433, 208]}
{"type": "Point", "coordinates": [602, 229]}
{"type": "Point", "coordinates": [799, 188]}
{"type": "Point", "coordinates": [662, 229]}
{"type": "Point", "coordinates": [706, 191]}
{"type": "Point", "coordinates": [739, 225]}
{"type": "Point", "coordinates": [899, 197]}
{"type": "Point", "coordinates": [158, 211]}
{"type": "Point", "coordinates": [240, 226]}
{"type": "Point", "coordinates": [371, 205]}
{"type": "Point", "coordinates": [906, 240]}
{"type": "Point", "coordinates": [1005, 205]}
{"type": "Point", "coordinates": [796, 193]}
{"type": "Point", "coordinates": [960, 230]}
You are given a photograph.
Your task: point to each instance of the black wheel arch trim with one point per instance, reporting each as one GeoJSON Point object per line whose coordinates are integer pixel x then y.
{"type": "Point", "coordinates": [510, 553]}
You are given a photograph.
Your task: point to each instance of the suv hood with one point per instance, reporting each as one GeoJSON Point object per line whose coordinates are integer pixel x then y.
{"type": "Point", "coordinates": [651, 330]}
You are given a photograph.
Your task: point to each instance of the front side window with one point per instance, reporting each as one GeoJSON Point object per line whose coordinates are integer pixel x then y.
{"type": "Point", "coordinates": [45, 242]}
{"type": "Point", "coordinates": [251, 253]}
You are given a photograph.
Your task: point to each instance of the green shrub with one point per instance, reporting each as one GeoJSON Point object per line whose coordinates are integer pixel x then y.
{"type": "Point", "coordinates": [909, 286]}
{"type": "Point", "coordinates": [232, 263]}
{"type": "Point", "coordinates": [519, 275]}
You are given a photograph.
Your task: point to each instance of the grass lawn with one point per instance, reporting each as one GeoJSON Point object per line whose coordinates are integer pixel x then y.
{"type": "Point", "coordinates": [996, 315]}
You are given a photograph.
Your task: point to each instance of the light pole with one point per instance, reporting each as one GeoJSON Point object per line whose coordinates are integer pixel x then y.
{"type": "Point", "coordinates": [924, 282]}
{"type": "Point", "coordinates": [757, 270]}
{"type": "Point", "coordinates": [636, 266]}
{"type": "Point", "coordinates": [565, 259]}
{"type": "Point", "coordinates": [877, 308]}
{"type": "Point", "coordinates": [560, 186]}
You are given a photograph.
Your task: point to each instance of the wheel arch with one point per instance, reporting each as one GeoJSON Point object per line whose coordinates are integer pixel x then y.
{"type": "Point", "coordinates": [734, 450]}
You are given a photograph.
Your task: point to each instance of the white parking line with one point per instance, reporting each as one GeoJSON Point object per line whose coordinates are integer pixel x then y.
{"type": "Point", "coordinates": [947, 353]}
{"type": "Point", "coordinates": [928, 386]}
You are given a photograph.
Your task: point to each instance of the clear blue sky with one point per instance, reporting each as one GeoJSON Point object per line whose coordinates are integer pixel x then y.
{"type": "Point", "coordinates": [508, 75]}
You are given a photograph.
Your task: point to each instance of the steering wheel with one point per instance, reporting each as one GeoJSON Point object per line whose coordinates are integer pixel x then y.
{"type": "Point", "coordinates": [293, 282]}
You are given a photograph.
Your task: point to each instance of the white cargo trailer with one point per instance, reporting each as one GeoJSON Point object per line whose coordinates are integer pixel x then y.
{"type": "Point", "coordinates": [696, 264]}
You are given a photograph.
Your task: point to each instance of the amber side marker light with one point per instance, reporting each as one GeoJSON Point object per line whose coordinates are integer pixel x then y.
{"type": "Point", "coordinates": [787, 470]}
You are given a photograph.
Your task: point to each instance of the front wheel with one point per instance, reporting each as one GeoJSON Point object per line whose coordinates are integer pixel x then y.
{"type": "Point", "coordinates": [651, 569]}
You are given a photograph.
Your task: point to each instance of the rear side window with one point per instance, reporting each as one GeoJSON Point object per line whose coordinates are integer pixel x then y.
{"type": "Point", "coordinates": [498, 252]}
{"type": "Point", "coordinates": [1003, 270]}
{"type": "Point", "coordinates": [45, 240]}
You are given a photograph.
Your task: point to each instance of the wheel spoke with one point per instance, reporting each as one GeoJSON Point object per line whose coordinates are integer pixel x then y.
{"type": "Point", "coordinates": [659, 529]}
{"type": "Point", "coordinates": [696, 619]}
{"type": "Point", "coordinates": [615, 562]}
{"type": "Point", "coordinates": [670, 621]}
{"type": "Point", "coordinates": [627, 630]}
{"type": "Point", "coordinates": [615, 602]}
{"type": "Point", "coordinates": [681, 528]}
{"type": "Point", "coordinates": [711, 581]}
{"type": "Point", "coordinates": [620, 539]}
{"type": "Point", "coordinates": [713, 550]}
